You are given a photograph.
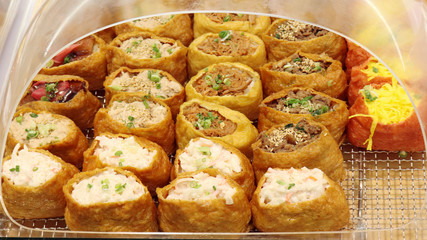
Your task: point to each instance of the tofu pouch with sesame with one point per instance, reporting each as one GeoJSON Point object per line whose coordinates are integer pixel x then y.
{"type": "Point", "coordinates": [177, 27]}
{"type": "Point", "coordinates": [139, 115]}
{"type": "Point", "coordinates": [226, 46]}
{"type": "Point", "coordinates": [199, 118]}
{"type": "Point", "coordinates": [299, 200]}
{"type": "Point", "coordinates": [146, 159]}
{"type": "Point", "coordinates": [202, 153]}
{"type": "Point", "coordinates": [65, 95]}
{"type": "Point", "coordinates": [146, 50]}
{"type": "Point", "coordinates": [203, 201]}
{"type": "Point", "coordinates": [158, 83]}
{"type": "Point", "coordinates": [285, 37]}
{"type": "Point", "coordinates": [85, 58]}
{"type": "Point", "coordinates": [319, 72]}
{"type": "Point", "coordinates": [216, 22]}
{"type": "Point", "coordinates": [293, 104]}
{"type": "Point", "coordinates": [109, 200]}
{"type": "Point", "coordinates": [32, 181]}
{"type": "Point", "coordinates": [44, 130]}
{"type": "Point", "coordinates": [233, 85]}
{"type": "Point", "coordinates": [297, 144]}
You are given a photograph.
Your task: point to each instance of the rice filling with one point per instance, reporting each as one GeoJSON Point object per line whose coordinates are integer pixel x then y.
{"type": "Point", "coordinates": [147, 48]}
{"type": "Point", "coordinates": [152, 22]}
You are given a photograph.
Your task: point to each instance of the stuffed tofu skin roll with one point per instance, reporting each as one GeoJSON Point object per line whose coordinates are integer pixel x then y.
{"type": "Point", "coordinates": [65, 95]}
{"type": "Point", "coordinates": [298, 144]}
{"type": "Point", "coordinates": [299, 200]}
{"type": "Point", "coordinates": [139, 115]}
{"type": "Point", "coordinates": [44, 130]}
{"type": "Point", "coordinates": [144, 50]}
{"type": "Point", "coordinates": [85, 58]}
{"type": "Point", "coordinates": [212, 121]}
{"type": "Point", "coordinates": [157, 83]}
{"type": "Point", "coordinates": [226, 46]}
{"type": "Point", "coordinates": [203, 201]}
{"type": "Point", "coordinates": [109, 200]}
{"type": "Point", "coordinates": [147, 160]}
{"type": "Point", "coordinates": [233, 85]}
{"type": "Point", "coordinates": [202, 153]}
{"type": "Point", "coordinates": [32, 181]}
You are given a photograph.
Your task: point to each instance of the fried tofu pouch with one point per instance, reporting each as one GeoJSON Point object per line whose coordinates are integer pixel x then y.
{"type": "Point", "coordinates": [244, 103]}
{"type": "Point", "coordinates": [323, 153]}
{"type": "Point", "coordinates": [44, 201]}
{"type": "Point", "coordinates": [255, 25]}
{"type": "Point", "coordinates": [335, 121]}
{"type": "Point", "coordinates": [178, 28]}
{"type": "Point", "coordinates": [242, 138]}
{"type": "Point", "coordinates": [197, 59]}
{"type": "Point", "coordinates": [137, 215]}
{"type": "Point", "coordinates": [245, 178]}
{"type": "Point", "coordinates": [84, 102]}
{"type": "Point", "coordinates": [161, 133]}
{"type": "Point", "coordinates": [210, 215]}
{"type": "Point", "coordinates": [173, 102]}
{"type": "Point", "coordinates": [70, 149]}
{"type": "Point", "coordinates": [332, 44]}
{"type": "Point", "coordinates": [355, 56]}
{"type": "Point", "coordinates": [332, 81]}
{"type": "Point", "coordinates": [329, 212]}
{"type": "Point", "coordinates": [175, 64]}
{"type": "Point", "coordinates": [156, 175]}
{"type": "Point", "coordinates": [92, 68]}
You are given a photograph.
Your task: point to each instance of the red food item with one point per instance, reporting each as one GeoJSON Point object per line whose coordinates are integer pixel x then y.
{"type": "Point", "coordinates": [59, 59]}
{"type": "Point", "coordinates": [38, 93]}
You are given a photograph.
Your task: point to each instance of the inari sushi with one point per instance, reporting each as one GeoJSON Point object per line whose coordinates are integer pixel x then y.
{"type": "Point", "coordinates": [202, 153]}
{"type": "Point", "coordinates": [32, 181]}
{"type": "Point", "coordinates": [299, 200]}
{"type": "Point", "coordinates": [298, 144]}
{"type": "Point", "coordinates": [233, 85]}
{"type": "Point", "coordinates": [85, 58]}
{"type": "Point", "coordinates": [157, 83]}
{"type": "Point", "coordinates": [109, 200]}
{"type": "Point", "coordinates": [203, 201]}
{"type": "Point", "coordinates": [65, 95]}
{"type": "Point", "coordinates": [139, 115]}
{"type": "Point", "coordinates": [44, 130]}
{"type": "Point", "coordinates": [147, 160]}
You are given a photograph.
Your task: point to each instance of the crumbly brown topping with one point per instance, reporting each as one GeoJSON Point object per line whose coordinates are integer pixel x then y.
{"type": "Point", "coordinates": [229, 17]}
{"type": "Point", "coordinates": [228, 43]}
{"type": "Point", "coordinates": [297, 31]}
{"type": "Point", "coordinates": [301, 65]}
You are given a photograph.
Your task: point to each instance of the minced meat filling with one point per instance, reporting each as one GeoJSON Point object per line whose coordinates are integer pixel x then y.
{"type": "Point", "coordinates": [290, 137]}
{"type": "Point", "coordinates": [223, 81]}
{"type": "Point", "coordinates": [228, 43]}
{"type": "Point", "coordinates": [303, 102]}
{"type": "Point", "coordinates": [152, 22]}
{"type": "Point", "coordinates": [298, 31]}
{"type": "Point", "coordinates": [209, 122]}
{"type": "Point", "coordinates": [229, 17]}
{"type": "Point", "coordinates": [301, 65]}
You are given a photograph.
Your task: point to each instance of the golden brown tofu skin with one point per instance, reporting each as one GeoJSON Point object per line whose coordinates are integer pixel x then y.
{"type": "Point", "coordinates": [178, 28]}
{"type": "Point", "coordinates": [137, 215]}
{"type": "Point", "coordinates": [285, 44]}
{"type": "Point", "coordinates": [92, 68]}
{"type": "Point", "coordinates": [233, 85]}
{"type": "Point", "coordinates": [216, 22]}
{"type": "Point", "coordinates": [153, 176]}
{"type": "Point", "coordinates": [319, 72]}
{"type": "Point", "coordinates": [329, 212]}
{"type": "Point", "coordinates": [173, 101]}
{"type": "Point", "coordinates": [210, 215]}
{"type": "Point", "coordinates": [298, 143]}
{"type": "Point", "coordinates": [245, 178]}
{"type": "Point", "coordinates": [70, 148]}
{"type": "Point", "coordinates": [334, 116]}
{"type": "Point", "coordinates": [161, 132]}
{"type": "Point", "coordinates": [44, 201]}
{"type": "Point", "coordinates": [175, 64]}
{"type": "Point", "coordinates": [226, 46]}
{"type": "Point", "coordinates": [237, 129]}
{"type": "Point", "coordinates": [73, 97]}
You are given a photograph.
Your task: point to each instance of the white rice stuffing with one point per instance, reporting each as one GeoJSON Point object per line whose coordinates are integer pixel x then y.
{"type": "Point", "coordinates": [147, 48]}
{"type": "Point", "coordinates": [152, 22]}
{"type": "Point", "coordinates": [138, 114]}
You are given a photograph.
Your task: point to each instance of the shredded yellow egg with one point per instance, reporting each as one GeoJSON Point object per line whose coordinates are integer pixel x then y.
{"type": "Point", "coordinates": [376, 69]}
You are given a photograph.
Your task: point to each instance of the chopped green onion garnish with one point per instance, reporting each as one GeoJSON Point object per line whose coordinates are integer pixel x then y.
{"type": "Point", "coordinates": [329, 83]}
{"type": "Point", "coordinates": [227, 18]}
{"type": "Point", "coordinates": [118, 153]}
{"type": "Point", "coordinates": [131, 118]}
{"type": "Point", "coordinates": [289, 125]}
{"type": "Point", "coordinates": [170, 50]}
{"type": "Point", "coordinates": [120, 188]}
{"type": "Point", "coordinates": [375, 70]}
{"type": "Point", "coordinates": [128, 50]}
{"type": "Point", "coordinates": [67, 59]}
{"type": "Point", "coordinates": [403, 154]}
{"type": "Point", "coordinates": [214, 188]}
{"type": "Point", "coordinates": [155, 48]}
{"type": "Point", "coordinates": [146, 104]}
{"type": "Point", "coordinates": [216, 86]}
{"type": "Point", "coordinates": [277, 36]}
{"type": "Point", "coordinates": [297, 59]}
{"type": "Point", "coordinates": [203, 159]}
{"type": "Point", "coordinates": [15, 169]}
{"type": "Point", "coordinates": [44, 98]}
{"type": "Point", "coordinates": [205, 150]}
{"type": "Point", "coordinates": [154, 76]}
{"type": "Point", "coordinates": [158, 86]}
{"type": "Point", "coordinates": [19, 119]}
{"type": "Point", "coordinates": [31, 133]}
{"type": "Point", "coordinates": [240, 14]}
{"type": "Point", "coordinates": [158, 96]}
{"type": "Point", "coordinates": [291, 185]}
{"type": "Point", "coordinates": [115, 87]}
{"type": "Point", "coordinates": [130, 125]}
{"type": "Point", "coordinates": [227, 81]}
{"type": "Point", "coordinates": [89, 185]}
{"type": "Point", "coordinates": [195, 184]}
{"type": "Point", "coordinates": [49, 63]}
{"type": "Point", "coordinates": [280, 182]}
{"type": "Point", "coordinates": [35, 169]}
{"type": "Point", "coordinates": [216, 40]}
{"type": "Point", "coordinates": [34, 115]}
